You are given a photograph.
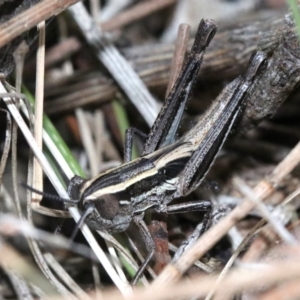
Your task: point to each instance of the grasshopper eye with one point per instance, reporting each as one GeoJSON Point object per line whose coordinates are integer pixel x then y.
{"type": "Point", "coordinates": [107, 206]}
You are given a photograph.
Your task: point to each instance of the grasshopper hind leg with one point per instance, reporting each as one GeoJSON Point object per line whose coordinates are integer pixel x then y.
{"type": "Point", "coordinates": [204, 206]}
{"type": "Point", "coordinates": [211, 218]}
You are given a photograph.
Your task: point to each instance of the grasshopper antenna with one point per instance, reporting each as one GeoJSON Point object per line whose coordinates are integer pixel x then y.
{"type": "Point", "coordinates": [48, 195]}
{"type": "Point", "coordinates": [80, 222]}
{"type": "Point", "coordinates": [85, 214]}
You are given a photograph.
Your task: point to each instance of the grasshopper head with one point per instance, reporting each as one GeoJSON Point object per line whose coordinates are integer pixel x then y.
{"type": "Point", "coordinates": [111, 212]}
{"type": "Point", "coordinates": [108, 210]}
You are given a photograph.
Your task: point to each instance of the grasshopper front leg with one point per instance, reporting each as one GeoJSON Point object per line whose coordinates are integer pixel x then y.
{"type": "Point", "coordinates": [209, 220]}
{"type": "Point", "coordinates": [204, 206]}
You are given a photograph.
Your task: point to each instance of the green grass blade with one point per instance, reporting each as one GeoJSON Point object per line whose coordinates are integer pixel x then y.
{"type": "Point", "coordinates": [296, 14]}
{"type": "Point", "coordinates": [58, 141]}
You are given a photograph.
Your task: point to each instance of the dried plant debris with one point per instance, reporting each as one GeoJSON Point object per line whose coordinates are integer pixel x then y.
{"type": "Point", "coordinates": [109, 69]}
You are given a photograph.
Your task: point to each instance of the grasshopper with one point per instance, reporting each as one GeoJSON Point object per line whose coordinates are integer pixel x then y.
{"type": "Point", "coordinates": [167, 168]}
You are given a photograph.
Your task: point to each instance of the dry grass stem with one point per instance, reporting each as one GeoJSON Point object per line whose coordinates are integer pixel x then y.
{"type": "Point", "coordinates": [99, 130]}
{"type": "Point", "coordinates": [292, 196]}
{"type": "Point", "coordinates": [19, 57]}
{"type": "Point", "coordinates": [95, 9]}
{"type": "Point", "coordinates": [37, 180]}
{"type": "Point", "coordinates": [6, 146]}
{"type": "Point", "coordinates": [43, 265]}
{"type": "Point", "coordinates": [124, 252]}
{"type": "Point", "coordinates": [198, 264]}
{"type": "Point", "coordinates": [87, 140]}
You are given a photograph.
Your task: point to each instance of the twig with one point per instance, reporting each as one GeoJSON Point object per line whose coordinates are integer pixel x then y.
{"type": "Point", "coordinates": [134, 13]}
{"type": "Point", "coordinates": [258, 246]}
{"type": "Point", "coordinates": [279, 79]}
{"type": "Point", "coordinates": [31, 17]}
{"type": "Point", "coordinates": [262, 241]}
{"type": "Point", "coordinates": [256, 249]}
